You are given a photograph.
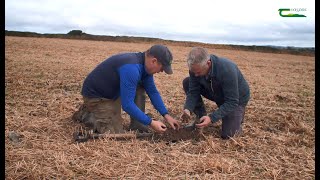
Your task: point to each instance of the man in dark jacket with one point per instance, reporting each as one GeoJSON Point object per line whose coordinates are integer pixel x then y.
{"type": "Point", "coordinates": [219, 80]}
{"type": "Point", "coordinates": [122, 80]}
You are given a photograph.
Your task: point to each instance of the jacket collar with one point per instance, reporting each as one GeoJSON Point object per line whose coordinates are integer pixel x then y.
{"type": "Point", "coordinates": [213, 71]}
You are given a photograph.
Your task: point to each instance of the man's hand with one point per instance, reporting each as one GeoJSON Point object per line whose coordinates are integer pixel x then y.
{"type": "Point", "coordinates": [185, 116]}
{"type": "Point", "coordinates": [158, 126]}
{"type": "Point", "coordinates": [173, 123]}
{"type": "Point", "coordinates": [204, 122]}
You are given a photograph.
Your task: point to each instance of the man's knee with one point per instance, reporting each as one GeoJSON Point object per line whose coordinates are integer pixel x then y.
{"type": "Point", "coordinates": [231, 127]}
{"type": "Point", "coordinates": [232, 124]}
{"type": "Point", "coordinates": [226, 134]}
{"type": "Point", "coordinates": [185, 84]}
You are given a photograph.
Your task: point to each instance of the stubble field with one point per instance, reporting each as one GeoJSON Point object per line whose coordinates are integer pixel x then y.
{"type": "Point", "coordinates": [43, 80]}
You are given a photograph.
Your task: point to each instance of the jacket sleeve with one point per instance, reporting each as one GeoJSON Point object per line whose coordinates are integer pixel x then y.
{"type": "Point", "coordinates": [229, 79]}
{"type": "Point", "coordinates": [154, 95]}
{"type": "Point", "coordinates": [129, 78]}
{"type": "Point", "coordinates": [193, 95]}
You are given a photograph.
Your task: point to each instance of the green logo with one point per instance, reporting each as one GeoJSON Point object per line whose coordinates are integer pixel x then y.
{"type": "Point", "coordinates": [290, 14]}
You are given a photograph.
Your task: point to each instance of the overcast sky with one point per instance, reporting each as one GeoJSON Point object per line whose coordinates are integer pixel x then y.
{"type": "Point", "coordinates": [245, 22]}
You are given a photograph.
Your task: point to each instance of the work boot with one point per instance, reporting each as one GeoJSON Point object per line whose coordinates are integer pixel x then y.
{"type": "Point", "coordinates": [79, 114]}
{"type": "Point", "coordinates": [84, 116]}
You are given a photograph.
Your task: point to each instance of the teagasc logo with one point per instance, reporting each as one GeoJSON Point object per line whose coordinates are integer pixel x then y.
{"type": "Point", "coordinates": [282, 14]}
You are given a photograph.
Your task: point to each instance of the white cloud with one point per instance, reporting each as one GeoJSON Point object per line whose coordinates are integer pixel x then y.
{"type": "Point", "coordinates": [212, 21]}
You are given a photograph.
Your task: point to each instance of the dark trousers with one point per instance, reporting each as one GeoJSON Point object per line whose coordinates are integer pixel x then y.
{"type": "Point", "coordinates": [231, 124]}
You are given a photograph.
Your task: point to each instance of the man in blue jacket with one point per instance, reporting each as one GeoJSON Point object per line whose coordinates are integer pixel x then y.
{"type": "Point", "coordinates": [219, 80]}
{"type": "Point", "coordinates": [122, 80]}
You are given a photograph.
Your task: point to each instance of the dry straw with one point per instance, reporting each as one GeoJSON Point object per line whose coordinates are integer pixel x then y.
{"type": "Point", "coordinates": [43, 79]}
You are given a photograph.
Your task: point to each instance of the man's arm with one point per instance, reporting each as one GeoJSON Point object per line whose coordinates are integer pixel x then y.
{"type": "Point", "coordinates": [157, 102]}
{"type": "Point", "coordinates": [129, 78]}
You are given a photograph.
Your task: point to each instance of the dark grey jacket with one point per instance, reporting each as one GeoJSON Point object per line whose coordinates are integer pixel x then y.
{"type": "Point", "coordinates": [224, 84]}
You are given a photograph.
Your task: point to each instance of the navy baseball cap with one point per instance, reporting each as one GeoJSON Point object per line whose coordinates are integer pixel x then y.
{"type": "Point", "coordinates": [163, 55]}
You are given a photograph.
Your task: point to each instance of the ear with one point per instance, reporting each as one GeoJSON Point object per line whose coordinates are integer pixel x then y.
{"type": "Point", "coordinates": [154, 60]}
{"type": "Point", "coordinates": [209, 62]}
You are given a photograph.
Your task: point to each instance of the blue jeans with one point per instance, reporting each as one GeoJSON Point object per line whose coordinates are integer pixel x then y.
{"type": "Point", "coordinates": [231, 124]}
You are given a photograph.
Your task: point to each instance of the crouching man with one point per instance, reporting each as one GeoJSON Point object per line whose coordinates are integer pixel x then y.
{"type": "Point", "coordinates": [121, 81]}
{"type": "Point", "coordinates": [219, 80]}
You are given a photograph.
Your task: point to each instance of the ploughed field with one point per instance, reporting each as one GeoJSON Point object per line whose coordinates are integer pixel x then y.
{"type": "Point", "coordinates": [43, 80]}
